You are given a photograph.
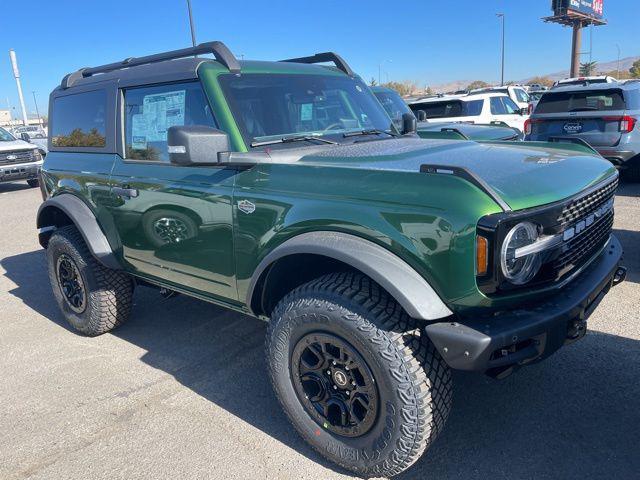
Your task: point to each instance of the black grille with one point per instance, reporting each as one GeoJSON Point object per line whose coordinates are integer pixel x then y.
{"type": "Point", "coordinates": [7, 158]}
{"type": "Point", "coordinates": [583, 206]}
{"type": "Point", "coordinates": [582, 247]}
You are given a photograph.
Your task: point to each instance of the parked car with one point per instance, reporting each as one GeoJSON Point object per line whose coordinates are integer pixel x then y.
{"type": "Point", "coordinates": [483, 108]}
{"type": "Point", "coordinates": [31, 130]}
{"type": "Point", "coordinates": [584, 81]}
{"type": "Point", "coordinates": [396, 108]}
{"type": "Point", "coordinates": [536, 87]}
{"type": "Point", "coordinates": [516, 93]}
{"type": "Point", "coordinates": [381, 261]}
{"type": "Point", "coordinates": [19, 160]}
{"type": "Point", "coordinates": [534, 98]}
{"type": "Point", "coordinates": [605, 115]}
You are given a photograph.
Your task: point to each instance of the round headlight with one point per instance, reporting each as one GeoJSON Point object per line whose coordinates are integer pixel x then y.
{"type": "Point", "coordinates": [519, 270]}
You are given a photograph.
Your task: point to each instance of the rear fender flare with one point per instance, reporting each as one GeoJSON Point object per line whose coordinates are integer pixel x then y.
{"type": "Point", "coordinates": [83, 219]}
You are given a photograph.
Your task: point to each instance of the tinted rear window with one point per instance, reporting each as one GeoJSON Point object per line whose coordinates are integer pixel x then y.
{"type": "Point", "coordinates": [598, 100]}
{"type": "Point", "coordinates": [451, 108]}
{"type": "Point", "coordinates": [79, 120]}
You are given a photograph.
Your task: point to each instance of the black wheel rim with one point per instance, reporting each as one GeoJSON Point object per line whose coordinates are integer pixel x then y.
{"type": "Point", "coordinates": [71, 283]}
{"type": "Point", "coordinates": [334, 384]}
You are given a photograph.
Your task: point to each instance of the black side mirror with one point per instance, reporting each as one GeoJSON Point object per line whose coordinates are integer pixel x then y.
{"type": "Point", "coordinates": [421, 115]}
{"type": "Point", "coordinates": [25, 136]}
{"type": "Point", "coordinates": [409, 123]}
{"type": "Point", "coordinates": [196, 145]}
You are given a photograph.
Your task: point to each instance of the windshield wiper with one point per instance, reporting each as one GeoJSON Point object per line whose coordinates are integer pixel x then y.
{"type": "Point", "coordinates": [301, 138]}
{"type": "Point", "coordinates": [583, 109]}
{"type": "Point", "coordinates": [373, 131]}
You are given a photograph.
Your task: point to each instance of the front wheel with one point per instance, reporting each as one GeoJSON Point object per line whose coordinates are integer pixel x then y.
{"type": "Point", "coordinates": [355, 376]}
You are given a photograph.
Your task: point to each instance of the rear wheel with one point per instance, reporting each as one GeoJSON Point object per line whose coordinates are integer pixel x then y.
{"type": "Point", "coordinates": [94, 299]}
{"type": "Point", "coordinates": [355, 375]}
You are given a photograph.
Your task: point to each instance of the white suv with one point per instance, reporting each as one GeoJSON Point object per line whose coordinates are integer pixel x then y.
{"type": "Point", "coordinates": [516, 93]}
{"type": "Point", "coordinates": [482, 108]}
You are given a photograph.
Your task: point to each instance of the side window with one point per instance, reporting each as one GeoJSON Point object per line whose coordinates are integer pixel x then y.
{"type": "Point", "coordinates": [521, 95]}
{"type": "Point", "coordinates": [79, 120]}
{"type": "Point", "coordinates": [151, 111]}
{"type": "Point", "coordinates": [497, 107]}
{"type": "Point", "coordinates": [510, 106]}
{"type": "Point", "coordinates": [474, 108]}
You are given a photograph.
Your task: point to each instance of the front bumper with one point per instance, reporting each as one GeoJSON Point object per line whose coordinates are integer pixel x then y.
{"type": "Point", "coordinates": [498, 342]}
{"type": "Point", "coordinates": [19, 171]}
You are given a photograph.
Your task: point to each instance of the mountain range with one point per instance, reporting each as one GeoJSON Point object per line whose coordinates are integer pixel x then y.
{"type": "Point", "coordinates": [625, 65]}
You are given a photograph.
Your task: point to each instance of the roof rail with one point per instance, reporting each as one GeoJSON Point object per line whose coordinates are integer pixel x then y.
{"type": "Point", "coordinates": [337, 60]}
{"type": "Point", "coordinates": [219, 50]}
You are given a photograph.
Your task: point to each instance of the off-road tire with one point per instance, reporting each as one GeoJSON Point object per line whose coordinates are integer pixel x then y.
{"type": "Point", "coordinates": [108, 292]}
{"type": "Point", "coordinates": [33, 182]}
{"type": "Point", "coordinates": [414, 383]}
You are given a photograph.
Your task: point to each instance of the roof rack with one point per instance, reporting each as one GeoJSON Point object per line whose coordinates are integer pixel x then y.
{"type": "Point", "coordinates": [219, 50]}
{"type": "Point", "coordinates": [336, 59]}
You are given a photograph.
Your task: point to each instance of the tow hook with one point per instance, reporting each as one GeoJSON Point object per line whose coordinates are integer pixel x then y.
{"type": "Point", "coordinates": [619, 276]}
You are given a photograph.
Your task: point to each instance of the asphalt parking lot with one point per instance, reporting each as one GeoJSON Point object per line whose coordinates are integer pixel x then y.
{"type": "Point", "coordinates": [181, 391]}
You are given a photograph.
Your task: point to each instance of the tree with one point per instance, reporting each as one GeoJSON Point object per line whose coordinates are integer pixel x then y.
{"type": "Point", "coordinates": [635, 69]}
{"type": "Point", "coordinates": [588, 68]}
{"type": "Point", "coordinates": [477, 84]}
{"type": "Point", "coordinates": [544, 81]}
{"type": "Point", "coordinates": [373, 82]}
{"type": "Point", "coordinates": [620, 75]}
{"type": "Point", "coordinates": [404, 88]}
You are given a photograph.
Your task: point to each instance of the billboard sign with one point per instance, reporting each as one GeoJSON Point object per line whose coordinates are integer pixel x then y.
{"type": "Point", "coordinates": [590, 8]}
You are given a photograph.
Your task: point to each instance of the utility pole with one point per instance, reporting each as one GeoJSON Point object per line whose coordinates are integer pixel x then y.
{"type": "Point", "coordinates": [576, 45]}
{"type": "Point", "coordinates": [501, 16]}
{"type": "Point", "coordinates": [193, 30]}
{"type": "Point", "coordinates": [35, 102]}
{"type": "Point", "coordinates": [16, 74]}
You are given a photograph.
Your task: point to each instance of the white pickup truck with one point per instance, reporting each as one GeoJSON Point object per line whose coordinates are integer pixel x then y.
{"type": "Point", "coordinates": [19, 160]}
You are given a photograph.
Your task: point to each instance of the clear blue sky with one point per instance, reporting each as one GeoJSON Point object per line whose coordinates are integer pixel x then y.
{"type": "Point", "coordinates": [429, 41]}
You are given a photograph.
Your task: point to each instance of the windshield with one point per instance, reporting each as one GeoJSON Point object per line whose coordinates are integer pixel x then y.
{"type": "Point", "coordinates": [596, 100]}
{"type": "Point", "coordinates": [448, 109]}
{"type": "Point", "coordinates": [394, 106]}
{"type": "Point", "coordinates": [270, 106]}
{"type": "Point", "coordinates": [5, 136]}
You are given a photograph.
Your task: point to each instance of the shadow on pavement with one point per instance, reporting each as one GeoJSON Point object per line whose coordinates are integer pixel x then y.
{"type": "Point", "coordinates": [574, 416]}
{"type": "Point", "coordinates": [14, 186]}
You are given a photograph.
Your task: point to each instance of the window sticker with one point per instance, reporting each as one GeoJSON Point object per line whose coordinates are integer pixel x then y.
{"type": "Point", "coordinates": [306, 112]}
{"type": "Point", "coordinates": [159, 112]}
{"type": "Point", "coordinates": [138, 132]}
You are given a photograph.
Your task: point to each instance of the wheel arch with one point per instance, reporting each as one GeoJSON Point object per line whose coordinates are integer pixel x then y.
{"type": "Point", "coordinates": [313, 254]}
{"type": "Point", "coordinates": [67, 209]}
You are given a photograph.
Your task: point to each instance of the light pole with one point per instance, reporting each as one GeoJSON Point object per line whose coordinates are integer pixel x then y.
{"type": "Point", "coordinates": [618, 63]}
{"type": "Point", "coordinates": [380, 70]}
{"type": "Point", "coordinates": [16, 74]}
{"type": "Point", "coordinates": [501, 16]}
{"type": "Point", "coordinates": [36, 104]}
{"type": "Point", "coordinates": [193, 31]}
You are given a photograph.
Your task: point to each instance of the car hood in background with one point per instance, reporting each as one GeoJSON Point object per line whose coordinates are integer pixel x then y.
{"type": "Point", "coordinates": [472, 131]}
{"type": "Point", "coordinates": [16, 145]}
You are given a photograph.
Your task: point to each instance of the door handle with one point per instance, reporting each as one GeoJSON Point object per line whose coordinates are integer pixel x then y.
{"type": "Point", "coordinates": [125, 192]}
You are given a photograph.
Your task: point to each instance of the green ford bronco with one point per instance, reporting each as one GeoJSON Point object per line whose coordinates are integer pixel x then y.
{"type": "Point", "coordinates": [284, 191]}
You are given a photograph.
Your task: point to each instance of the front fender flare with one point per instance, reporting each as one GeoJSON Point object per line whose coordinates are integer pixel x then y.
{"type": "Point", "coordinates": [83, 219]}
{"type": "Point", "coordinates": [397, 277]}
